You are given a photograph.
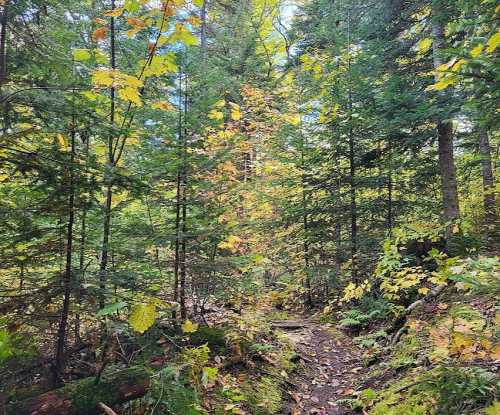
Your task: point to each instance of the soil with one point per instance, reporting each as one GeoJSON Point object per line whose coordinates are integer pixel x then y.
{"type": "Point", "coordinates": [329, 370]}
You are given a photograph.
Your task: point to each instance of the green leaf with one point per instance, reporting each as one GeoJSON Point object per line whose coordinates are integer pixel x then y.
{"type": "Point", "coordinates": [143, 317]}
{"type": "Point", "coordinates": [81, 55]}
{"type": "Point", "coordinates": [131, 6]}
{"type": "Point", "coordinates": [110, 309]}
{"type": "Point", "coordinates": [209, 374]}
{"type": "Point", "coordinates": [198, 3]}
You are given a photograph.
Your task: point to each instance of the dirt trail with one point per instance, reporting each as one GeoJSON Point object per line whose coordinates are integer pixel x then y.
{"type": "Point", "coordinates": [330, 368]}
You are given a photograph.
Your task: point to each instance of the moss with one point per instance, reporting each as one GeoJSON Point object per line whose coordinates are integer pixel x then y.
{"type": "Point", "coordinates": [277, 315]}
{"type": "Point", "coordinates": [176, 399]}
{"type": "Point", "coordinates": [394, 401]}
{"type": "Point", "coordinates": [263, 396]}
{"type": "Point", "coordinates": [214, 337]}
{"type": "Point", "coordinates": [406, 353]}
{"type": "Point", "coordinates": [86, 394]}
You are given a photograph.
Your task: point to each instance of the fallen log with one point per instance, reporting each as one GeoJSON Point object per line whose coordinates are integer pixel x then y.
{"type": "Point", "coordinates": [84, 397]}
{"type": "Point", "coordinates": [398, 327]}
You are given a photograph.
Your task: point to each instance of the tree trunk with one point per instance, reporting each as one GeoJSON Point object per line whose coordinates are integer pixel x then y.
{"type": "Point", "coordinates": [111, 164]}
{"type": "Point", "coordinates": [3, 43]}
{"type": "Point", "coordinates": [305, 221]}
{"type": "Point", "coordinates": [183, 265]}
{"type": "Point", "coordinates": [490, 216]}
{"type": "Point", "coordinates": [4, 19]}
{"type": "Point", "coordinates": [203, 29]}
{"type": "Point", "coordinates": [63, 323]}
{"type": "Point", "coordinates": [81, 263]}
{"type": "Point", "coordinates": [82, 397]}
{"type": "Point", "coordinates": [352, 165]}
{"type": "Point", "coordinates": [444, 130]}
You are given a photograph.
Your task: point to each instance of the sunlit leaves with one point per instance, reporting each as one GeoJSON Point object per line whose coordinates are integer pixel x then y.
{"type": "Point", "coordinates": [162, 105]}
{"type": "Point", "coordinates": [198, 3]}
{"type": "Point", "coordinates": [130, 94]}
{"type": "Point", "coordinates": [143, 316]}
{"type": "Point", "coordinates": [127, 85]}
{"type": "Point", "coordinates": [189, 327]}
{"type": "Point", "coordinates": [81, 55]}
{"type": "Point", "coordinates": [476, 51]}
{"type": "Point", "coordinates": [114, 13]}
{"type": "Point", "coordinates": [131, 6]}
{"type": "Point", "coordinates": [182, 34]}
{"type": "Point", "coordinates": [232, 243]}
{"type": "Point", "coordinates": [493, 42]}
{"type": "Point", "coordinates": [235, 111]}
{"type": "Point", "coordinates": [424, 45]}
{"type": "Point", "coordinates": [216, 115]}
{"type": "Point", "coordinates": [160, 65]}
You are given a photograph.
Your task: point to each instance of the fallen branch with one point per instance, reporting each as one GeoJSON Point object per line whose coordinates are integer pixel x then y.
{"type": "Point", "coordinates": [399, 325]}
{"type": "Point", "coordinates": [106, 409]}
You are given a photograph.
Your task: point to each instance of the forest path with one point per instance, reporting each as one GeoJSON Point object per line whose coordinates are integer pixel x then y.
{"type": "Point", "coordinates": [329, 370]}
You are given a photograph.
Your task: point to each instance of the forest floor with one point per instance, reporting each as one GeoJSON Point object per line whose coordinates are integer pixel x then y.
{"type": "Point", "coordinates": [330, 369]}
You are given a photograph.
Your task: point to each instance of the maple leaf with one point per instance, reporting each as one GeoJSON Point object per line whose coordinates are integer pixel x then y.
{"type": "Point", "coordinates": [100, 34]}
{"type": "Point", "coordinates": [130, 94]}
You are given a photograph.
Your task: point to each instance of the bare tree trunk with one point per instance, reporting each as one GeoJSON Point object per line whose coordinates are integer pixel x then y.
{"type": "Point", "coordinates": [390, 214]}
{"type": "Point", "coordinates": [183, 265]}
{"type": "Point", "coordinates": [81, 264]}
{"type": "Point", "coordinates": [61, 334]}
{"type": "Point", "coordinates": [3, 42]}
{"type": "Point", "coordinates": [305, 220]}
{"type": "Point", "coordinates": [490, 215]}
{"type": "Point", "coordinates": [203, 31]}
{"type": "Point", "coordinates": [449, 190]}
{"type": "Point", "coordinates": [352, 165]}
{"type": "Point", "coordinates": [109, 191]}
{"type": "Point", "coordinates": [4, 19]}
{"type": "Point", "coordinates": [178, 200]}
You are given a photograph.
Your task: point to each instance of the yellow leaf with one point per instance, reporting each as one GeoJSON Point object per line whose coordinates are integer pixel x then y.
{"type": "Point", "coordinates": [194, 21]}
{"type": "Point", "coordinates": [477, 50]}
{"type": "Point", "coordinates": [142, 317]}
{"type": "Point", "coordinates": [81, 55]}
{"type": "Point", "coordinates": [456, 66]}
{"type": "Point", "coordinates": [102, 78]}
{"type": "Point", "coordinates": [114, 13]}
{"type": "Point", "coordinates": [130, 94]}
{"type": "Point", "coordinates": [216, 115]}
{"type": "Point", "coordinates": [189, 327]}
{"type": "Point", "coordinates": [494, 409]}
{"type": "Point", "coordinates": [163, 105]}
{"type": "Point", "coordinates": [236, 114]}
{"type": "Point", "coordinates": [198, 3]}
{"type": "Point", "coordinates": [181, 34]}
{"type": "Point", "coordinates": [423, 290]}
{"type": "Point", "coordinates": [424, 45]}
{"type": "Point", "coordinates": [100, 34]}
{"type": "Point", "coordinates": [493, 42]}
